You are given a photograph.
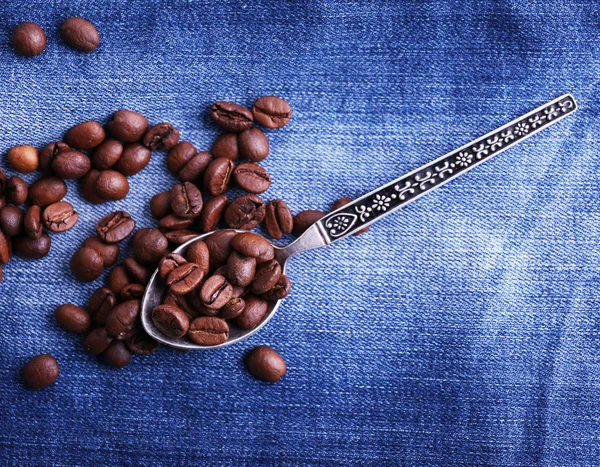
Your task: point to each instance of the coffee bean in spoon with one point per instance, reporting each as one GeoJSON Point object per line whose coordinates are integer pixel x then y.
{"type": "Point", "coordinates": [170, 320]}
{"type": "Point", "coordinates": [280, 290]}
{"type": "Point", "coordinates": [29, 39]}
{"type": "Point", "coordinates": [127, 126]}
{"type": "Point", "coordinates": [232, 309]}
{"type": "Point", "coordinates": [59, 217]}
{"type": "Point", "coordinates": [231, 117]}
{"type": "Point", "coordinates": [253, 145]}
{"type": "Point", "coordinates": [80, 34]}
{"type": "Point", "coordinates": [198, 253]}
{"type": "Point", "coordinates": [253, 245]}
{"type": "Point", "coordinates": [169, 263]}
{"type": "Point", "coordinates": [278, 219]}
{"type": "Point", "coordinates": [209, 331]}
{"type": "Point", "coordinates": [184, 279]}
{"type": "Point", "coordinates": [252, 178]}
{"type": "Point", "coordinates": [109, 252]}
{"type": "Point", "coordinates": [115, 227]}
{"type": "Point", "coordinates": [215, 292]}
{"type": "Point", "coordinates": [219, 247]}
{"type": "Point", "coordinates": [24, 159]}
{"type": "Point", "coordinates": [240, 269]}
{"type": "Point", "coordinates": [255, 310]}
{"type": "Point", "coordinates": [186, 200]}
{"type": "Point", "coordinates": [272, 112]}
{"type": "Point", "coordinates": [106, 154]}
{"type": "Point", "coordinates": [211, 213]}
{"type": "Point", "coordinates": [266, 276]}
{"type": "Point", "coordinates": [49, 152]}
{"type": "Point", "coordinates": [86, 135]}
{"type": "Point", "coordinates": [245, 212]}
{"type": "Point", "coordinates": [161, 137]}
{"type": "Point", "coordinates": [86, 264]}
{"type": "Point", "coordinates": [41, 371]}
{"type": "Point", "coordinates": [47, 190]}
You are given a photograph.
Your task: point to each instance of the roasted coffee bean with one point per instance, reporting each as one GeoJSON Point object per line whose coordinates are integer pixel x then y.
{"type": "Point", "coordinates": [245, 212]}
{"type": "Point", "coordinates": [304, 219]}
{"type": "Point", "coordinates": [211, 214]}
{"type": "Point", "coordinates": [47, 190]}
{"type": "Point", "coordinates": [160, 205]}
{"type": "Point", "coordinates": [179, 156]}
{"type": "Point", "coordinates": [342, 202]}
{"type": "Point", "coordinates": [280, 290]}
{"type": "Point", "coordinates": [253, 145]}
{"type": "Point", "coordinates": [267, 275]}
{"type": "Point", "coordinates": [106, 154]}
{"type": "Point", "coordinates": [198, 253]}
{"type": "Point", "coordinates": [5, 248]}
{"type": "Point", "coordinates": [3, 201]}
{"type": "Point", "coordinates": [97, 341]}
{"type": "Point", "coordinates": [252, 178]}
{"type": "Point", "coordinates": [169, 263]}
{"type": "Point", "coordinates": [254, 245]}
{"type": "Point", "coordinates": [101, 302]}
{"type": "Point", "coordinates": [170, 320]}
{"type": "Point", "coordinates": [115, 227]}
{"type": "Point", "coordinates": [28, 39]}
{"type": "Point", "coordinates": [140, 342]}
{"type": "Point", "coordinates": [222, 271]}
{"type": "Point", "coordinates": [217, 177]}
{"type": "Point", "coordinates": [86, 135]}
{"type": "Point", "coordinates": [111, 185]}
{"type": "Point", "coordinates": [71, 164]}
{"type": "Point", "coordinates": [179, 237]}
{"type": "Point", "coordinates": [239, 292]}
{"type": "Point", "coordinates": [29, 247]}
{"type": "Point", "coordinates": [48, 154]}
{"type": "Point", "coordinates": [161, 137]}
{"type": "Point", "coordinates": [2, 183]}
{"type": "Point", "coordinates": [215, 292]}
{"type": "Point", "coordinates": [272, 112]}
{"type": "Point", "coordinates": [134, 159]}
{"type": "Point", "coordinates": [186, 200]}
{"type": "Point", "coordinates": [117, 355]}
{"type": "Point", "coordinates": [232, 309]}
{"type": "Point", "coordinates": [32, 222]}
{"type": "Point", "coordinates": [11, 220]}
{"type": "Point", "coordinates": [121, 319]}
{"type": "Point", "coordinates": [219, 247]}
{"type": "Point", "coordinates": [86, 264]}
{"type": "Point", "coordinates": [173, 222]}
{"type": "Point", "coordinates": [107, 251]}
{"type": "Point", "coordinates": [149, 246]}
{"type": "Point", "coordinates": [138, 272]}
{"type": "Point", "coordinates": [240, 269]}
{"type": "Point", "coordinates": [183, 302]}
{"type": "Point", "coordinates": [231, 117]}
{"type": "Point", "coordinates": [184, 279]}
{"type": "Point", "coordinates": [278, 219]}
{"type": "Point", "coordinates": [128, 126]}
{"type": "Point", "coordinates": [194, 169]}
{"type": "Point", "coordinates": [88, 187]}
{"type": "Point", "coordinates": [16, 190]}
{"type": "Point", "coordinates": [226, 146]}
{"type": "Point", "coordinates": [40, 371]}
{"type": "Point", "coordinates": [132, 292]}
{"type": "Point", "coordinates": [24, 159]}
{"type": "Point", "coordinates": [73, 318]}
{"type": "Point", "coordinates": [265, 364]}
{"type": "Point", "coordinates": [207, 330]}
{"type": "Point", "coordinates": [80, 34]}
{"type": "Point", "coordinates": [59, 217]}
{"type": "Point", "coordinates": [254, 312]}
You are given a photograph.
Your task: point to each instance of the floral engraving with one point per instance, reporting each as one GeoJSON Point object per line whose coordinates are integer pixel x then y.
{"type": "Point", "coordinates": [464, 159]}
{"type": "Point", "coordinates": [340, 224]}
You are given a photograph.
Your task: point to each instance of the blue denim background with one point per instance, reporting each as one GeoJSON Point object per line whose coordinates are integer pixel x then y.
{"type": "Point", "coordinates": [463, 330]}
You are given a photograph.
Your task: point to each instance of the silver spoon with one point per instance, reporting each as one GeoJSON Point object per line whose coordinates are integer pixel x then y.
{"type": "Point", "coordinates": [375, 205]}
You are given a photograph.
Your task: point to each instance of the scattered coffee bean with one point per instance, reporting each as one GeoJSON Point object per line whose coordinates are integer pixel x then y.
{"type": "Point", "coordinates": [149, 246]}
{"type": "Point", "coordinates": [232, 309]}
{"type": "Point", "coordinates": [252, 178]}
{"type": "Point", "coordinates": [73, 318]}
{"type": "Point", "coordinates": [101, 302]}
{"type": "Point", "coordinates": [40, 371]}
{"type": "Point", "coordinates": [138, 272]}
{"type": "Point", "coordinates": [24, 159]}
{"type": "Point", "coordinates": [48, 154]}
{"type": "Point", "coordinates": [106, 154]}
{"type": "Point", "coordinates": [80, 34]}
{"type": "Point", "coordinates": [29, 247]}
{"type": "Point", "coordinates": [115, 227]}
{"type": "Point", "coordinates": [170, 320]}
{"type": "Point", "coordinates": [240, 269]}
{"type": "Point", "coordinates": [160, 205]}
{"type": "Point", "coordinates": [179, 237]}
{"type": "Point", "coordinates": [109, 252]}
{"type": "Point", "coordinates": [86, 264]}
{"type": "Point", "coordinates": [174, 222]}
{"type": "Point", "coordinates": [186, 200]}
{"type": "Point", "coordinates": [303, 220]}
{"type": "Point", "coordinates": [47, 190]}
{"type": "Point", "coordinates": [97, 341]}
{"type": "Point", "coordinates": [198, 253]}
{"type": "Point", "coordinates": [140, 342]}
{"type": "Point", "coordinates": [128, 126]}
{"type": "Point", "coordinates": [231, 117]}
{"type": "Point", "coordinates": [280, 290]}
{"type": "Point", "coordinates": [278, 219]}
{"type": "Point", "coordinates": [253, 145]}
{"type": "Point", "coordinates": [86, 135]}
{"type": "Point", "coordinates": [217, 177]}
{"type": "Point", "coordinates": [161, 137]}
{"type": "Point", "coordinates": [272, 112]}
{"type": "Point", "coordinates": [59, 217]}
{"type": "Point", "coordinates": [226, 146]}
{"type": "Point", "coordinates": [71, 164]}
{"type": "Point", "coordinates": [16, 190]}
{"type": "Point", "coordinates": [132, 292]}
{"type": "Point", "coordinates": [266, 364]}
{"type": "Point", "coordinates": [169, 263]}
{"type": "Point", "coordinates": [134, 159]}
{"type": "Point", "coordinates": [179, 156]}
{"type": "Point", "coordinates": [245, 212]}
{"type": "Point", "coordinates": [219, 247]}
{"type": "Point", "coordinates": [32, 222]}
{"type": "Point", "coordinates": [211, 213]}
{"type": "Point", "coordinates": [254, 311]}
{"type": "Point", "coordinates": [111, 185]}
{"type": "Point", "coordinates": [88, 187]}
{"type": "Point", "coordinates": [194, 169]}
{"type": "Point", "coordinates": [11, 220]}
{"type": "Point", "coordinates": [267, 275]}
{"type": "Point", "coordinates": [121, 319]}
{"type": "Point", "coordinates": [215, 292]}
{"type": "Point", "coordinates": [5, 248]}
{"type": "Point", "coordinates": [184, 279]}
{"type": "Point", "coordinates": [2, 182]}
{"type": "Point", "coordinates": [117, 355]}
{"type": "Point", "coordinates": [208, 331]}
{"type": "Point", "coordinates": [342, 202]}
{"type": "Point", "coordinates": [118, 279]}
{"type": "Point", "coordinates": [29, 39]}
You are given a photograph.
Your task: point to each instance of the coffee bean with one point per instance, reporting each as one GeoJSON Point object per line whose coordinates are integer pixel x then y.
{"type": "Point", "coordinates": [128, 126]}
{"type": "Point", "coordinates": [280, 290]}
{"type": "Point", "coordinates": [239, 292]}
{"type": "Point", "coordinates": [11, 220]}
{"type": "Point", "coordinates": [169, 263]}
{"type": "Point", "coordinates": [219, 247]}
{"type": "Point", "coordinates": [47, 190]}
{"type": "Point", "coordinates": [253, 145]}
{"type": "Point", "coordinates": [186, 200]}
{"type": "Point", "coordinates": [217, 177]}
{"type": "Point", "coordinates": [28, 39]}
{"type": "Point", "coordinates": [5, 248]}
{"type": "Point", "coordinates": [272, 112]}
{"type": "Point", "coordinates": [149, 245]}
{"type": "Point", "coordinates": [252, 178]}
{"type": "Point", "coordinates": [117, 355]}
{"type": "Point", "coordinates": [240, 269]}
{"type": "Point", "coordinates": [184, 279]}
{"type": "Point", "coordinates": [121, 319]}
{"type": "Point", "coordinates": [254, 311]}
{"type": "Point", "coordinates": [3, 201]}
{"type": "Point", "coordinates": [170, 320]}
{"type": "Point", "coordinates": [226, 146]}
{"type": "Point", "coordinates": [80, 34]}
{"type": "Point", "coordinates": [73, 318]}
{"type": "Point", "coordinates": [254, 245]}
{"type": "Point", "coordinates": [71, 164]}
{"type": "Point", "coordinates": [30, 248]}
{"type": "Point", "coordinates": [173, 222]}
{"type": "Point", "coordinates": [211, 214]}
{"type": "Point", "coordinates": [106, 154]}
{"type": "Point", "coordinates": [115, 227]}
{"type": "Point", "coordinates": [101, 302]}
{"type": "Point", "coordinates": [88, 187]}
{"type": "Point", "coordinates": [194, 169]}
{"type": "Point", "coordinates": [16, 190]}
{"type": "Point", "coordinates": [198, 253]}
{"type": "Point", "coordinates": [303, 220]}
{"type": "Point", "coordinates": [59, 217]}
{"type": "Point", "coordinates": [134, 159]}
{"type": "Point", "coordinates": [108, 252]}
{"type": "Point", "coordinates": [231, 117]}
{"type": "Point", "coordinates": [160, 205]}
{"type": "Point", "coordinates": [86, 135]}
{"type": "Point", "coordinates": [207, 330]}
{"type": "Point", "coordinates": [161, 137]}
{"type": "Point", "coordinates": [112, 185]}
{"type": "Point", "coordinates": [278, 219]}
{"type": "Point", "coordinates": [97, 341]}
{"type": "Point", "coordinates": [232, 309]}
{"type": "Point", "coordinates": [86, 264]}
{"type": "Point", "coordinates": [2, 183]}
{"type": "Point", "coordinates": [179, 237]}
{"type": "Point", "coordinates": [40, 371]}
{"type": "Point", "coordinates": [138, 272]}
{"type": "Point", "coordinates": [24, 159]}
{"type": "Point", "coordinates": [48, 154]}
{"type": "Point", "coordinates": [182, 302]}
{"type": "Point", "coordinates": [265, 364]}
{"type": "Point", "coordinates": [267, 275]}
{"type": "Point", "coordinates": [222, 271]}
{"type": "Point", "coordinates": [141, 343]}
{"type": "Point", "coordinates": [132, 292]}
{"type": "Point", "coordinates": [32, 222]}
{"type": "Point", "coordinates": [179, 156]}
{"type": "Point", "coordinates": [245, 212]}
{"type": "Point", "coordinates": [215, 292]}
{"type": "Point", "coordinates": [342, 202]}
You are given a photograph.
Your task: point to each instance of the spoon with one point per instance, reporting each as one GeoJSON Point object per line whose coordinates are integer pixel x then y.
{"type": "Point", "coordinates": [373, 206]}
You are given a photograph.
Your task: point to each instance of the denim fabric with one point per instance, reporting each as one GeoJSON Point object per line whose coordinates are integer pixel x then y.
{"type": "Point", "coordinates": [461, 331]}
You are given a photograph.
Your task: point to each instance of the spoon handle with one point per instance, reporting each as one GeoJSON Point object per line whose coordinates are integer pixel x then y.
{"type": "Point", "coordinates": [367, 209]}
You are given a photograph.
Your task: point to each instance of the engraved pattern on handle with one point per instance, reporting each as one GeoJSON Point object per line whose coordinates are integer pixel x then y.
{"type": "Point", "coordinates": [367, 209]}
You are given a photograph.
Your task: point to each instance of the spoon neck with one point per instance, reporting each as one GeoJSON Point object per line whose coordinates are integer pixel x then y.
{"type": "Point", "coordinates": [312, 238]}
